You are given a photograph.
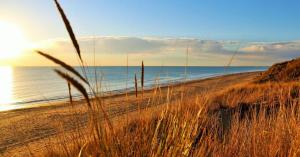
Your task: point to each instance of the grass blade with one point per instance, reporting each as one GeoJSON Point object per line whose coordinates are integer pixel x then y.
{"type": "Point", "coordinates": [63, 64]}
{"type": "Point", "coordinates": [142, 75]}
{"type": "Point", "coordinates": [74, 83]}
{"type": "Point", "coordinates": [70, 93]}
{"type": "Point", "coordinates": [135, 85]}
{"type": "Point", "coordinates": [69, 28]}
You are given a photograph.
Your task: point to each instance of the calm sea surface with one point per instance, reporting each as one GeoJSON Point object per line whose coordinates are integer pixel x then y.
{"type": "Point", "coordinates": [28, 85]}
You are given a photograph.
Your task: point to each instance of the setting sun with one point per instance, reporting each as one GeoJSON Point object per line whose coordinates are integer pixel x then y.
{"type": "Point", "coordinates": [11, 39]}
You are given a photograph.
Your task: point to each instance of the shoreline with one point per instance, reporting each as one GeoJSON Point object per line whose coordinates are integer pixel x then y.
{"type": "Point", "coordinates": [115, 93]}
{"type": "Point", "coordinates": [52, 88]}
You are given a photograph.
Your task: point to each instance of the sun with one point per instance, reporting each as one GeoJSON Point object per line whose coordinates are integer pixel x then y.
{"type": "Point", "coordinates": [12, 41]}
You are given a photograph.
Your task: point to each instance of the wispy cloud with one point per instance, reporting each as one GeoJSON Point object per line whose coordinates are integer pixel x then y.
{"type": "Point", "coordinates": [134, 45]}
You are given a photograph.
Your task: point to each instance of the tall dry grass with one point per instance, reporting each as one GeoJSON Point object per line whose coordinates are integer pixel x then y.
{"type": "Point", "coordinates": [245, 120]}
{"type": "Point", "coordinates": [189, 127]}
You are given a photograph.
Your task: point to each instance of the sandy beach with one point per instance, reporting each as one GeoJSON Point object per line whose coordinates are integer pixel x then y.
{"type": "Point", "coordinates": [26, 128]}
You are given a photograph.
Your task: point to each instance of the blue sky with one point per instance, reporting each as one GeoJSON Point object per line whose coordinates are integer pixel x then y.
{"type": "Point", "coordinates": [252, 20]}
{"type": "Point", "coordinates": [268, 29]}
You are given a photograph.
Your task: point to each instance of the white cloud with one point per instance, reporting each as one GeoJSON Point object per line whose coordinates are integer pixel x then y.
{"type": "Point", "coordinates": [202, 52]}
{"type": "Point", "coordinates": [253, 48]}
{"type": "Point", "coordinates": [280, 50]}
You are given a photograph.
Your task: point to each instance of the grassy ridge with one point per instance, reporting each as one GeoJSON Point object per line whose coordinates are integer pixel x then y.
{"type": "Point", "coordinates": [285, 71]}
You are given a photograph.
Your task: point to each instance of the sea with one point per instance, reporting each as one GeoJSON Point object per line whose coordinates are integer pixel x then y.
{"type": "Point", "coordinates": [21, 86]}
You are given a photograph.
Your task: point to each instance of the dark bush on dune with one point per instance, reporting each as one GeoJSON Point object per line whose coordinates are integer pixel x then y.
{"type": "Point", "coordinates": [282, 72]}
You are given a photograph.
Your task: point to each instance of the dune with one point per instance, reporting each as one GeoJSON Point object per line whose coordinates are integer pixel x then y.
{"type": "Point", "coordinates": [282, 72]}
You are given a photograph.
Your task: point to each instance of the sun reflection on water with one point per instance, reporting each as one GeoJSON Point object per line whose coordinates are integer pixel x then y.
{"type": "Point", "coordinates": [6, 88]}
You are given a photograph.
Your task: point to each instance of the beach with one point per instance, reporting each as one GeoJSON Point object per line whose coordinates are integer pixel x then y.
{"type": "Point", "coordinates": [33, 127]}
{"type": "Point", "coordinates": [23, 86]}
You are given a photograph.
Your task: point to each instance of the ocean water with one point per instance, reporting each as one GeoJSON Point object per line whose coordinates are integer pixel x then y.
{"type": "Point", "coordinates": [28, 85]}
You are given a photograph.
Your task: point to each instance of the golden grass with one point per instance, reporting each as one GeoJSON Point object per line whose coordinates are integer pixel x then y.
{"type": "Point", "coordinates": [251, 94]}
{"type": "Point", "coordinates": [285, 71]}
{"type": "Point", "coordinates": [189, 128]}
{"type": "Point", "coordinates": [245, 120]}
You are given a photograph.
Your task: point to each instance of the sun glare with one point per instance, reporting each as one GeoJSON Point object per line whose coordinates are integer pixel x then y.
{"type": "Point", "coordinates": [6, 90]}
{"type": "Point", "coordinates": [6, 85]}
{"type": "Point", "coordinates": [12, 41]}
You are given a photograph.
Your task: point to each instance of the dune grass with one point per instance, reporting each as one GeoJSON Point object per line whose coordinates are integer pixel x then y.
{"type": "Point", "coordinates": [188, 127]}
{"type": "Point", "coordinates": [247, 120]}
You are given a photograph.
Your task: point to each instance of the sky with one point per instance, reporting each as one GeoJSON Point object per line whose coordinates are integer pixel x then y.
{"type": "Point", "coordinates": [159, 32]}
